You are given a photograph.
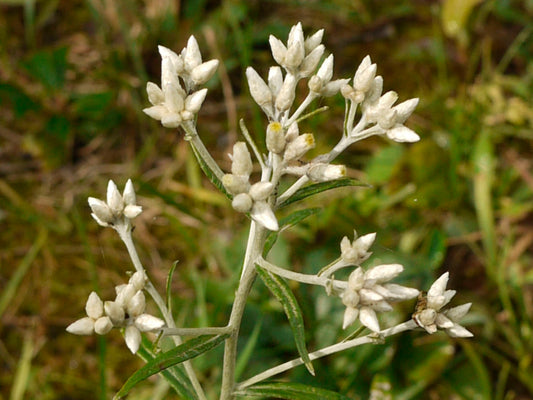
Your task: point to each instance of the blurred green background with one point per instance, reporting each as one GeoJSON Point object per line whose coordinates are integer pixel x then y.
{"type": "Point", "coordinates": [72, 80]}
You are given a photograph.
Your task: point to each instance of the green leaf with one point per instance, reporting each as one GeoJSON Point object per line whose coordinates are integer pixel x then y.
{"type": "Point", "coordinates": [177, 355]}
{"type": "Point", "coordinates": [291, 219]}
{"type": "Point", "coordinates": [318, 188]}
{"type": "Point", "coordinates": [175, 375]}
{"type": "Point", "coordinates": [383, 164]}
{"type": "Point", "coordinates": [169, 284]}
{"type": "Point", "coordinates": [282, 292]}
{"type": "Point", "coordinates": [246, 353]}
{"type": "Point", "coordinates": [49, 67]}
{"type": "Point", "coordinates": [210, 174]}
{"type": "Point", "coordinates": [18, 98]}
{"type": "Point", "coordinates": [290, 391]}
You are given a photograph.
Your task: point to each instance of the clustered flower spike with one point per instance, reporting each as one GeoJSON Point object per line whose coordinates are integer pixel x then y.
{"type": "Point", "coordinates": [247, 197]}
{"type": "Point", "coordinates": [117, 210]}
{"type": "Point", "coordinates": [173, 104]}
{"type": "Point", "coordinates": [368, 293]}
{"type": "Point", "coordinates": [126, 311]}
{"type": "Point", "coordinates": [430, 315]}
{"type": "Point", "coordinates": [366, 91]}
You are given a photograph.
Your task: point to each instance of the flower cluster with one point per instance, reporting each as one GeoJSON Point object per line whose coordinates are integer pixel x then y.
{"type": "Point", "coordinates": [126, 311]}
{"type": "Point", "coordinates": [366, 90]}
{"type": "Point", "coordinates": [119, 209]}
{"type": "Point", "coordinates": [247, 197]}
{"type": "Point", "coordinates": [173, 104]}
{"type": "Point", "coordinates": [430, 316]}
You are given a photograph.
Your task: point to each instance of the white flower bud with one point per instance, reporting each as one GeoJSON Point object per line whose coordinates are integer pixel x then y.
{"type": "Point", "coordinates": [263, 214]}
{"type": "Point", "coordinates": [402, 134]}
{"type": "Point", "coordinates": [350, 315]}
{"type": "Point", "coordinates": [279, 51]}
{"type": "Point", "coordinates": [356, 280]}
{"type": "Point", "coordinates": [368, 318]}
{"type": "Point", "coordinates": [193, 57]}
{"type": "Point", "coordinates": [102, 325]}
{"type": "Point", "coordinates": [350, 298]}
{"type": "Point", "coordinates": [275, 138]}
{"type": "Point", "coordinates": [169, 60]}
{"type": "Point", "coordinates": [156, 112]}
{"type": "Point", "coordinates": [295, 55]}
{"type": "Point", "coordinates": [83, 326]}
{"type": "Point", "coordinates": [259, 89]}
{"type": "Point", "coordinates": [374, 93]}
{"type": "Point", "coordinates": [242, 202]}
{"type": "Point", "coordinates": [241, 160]}
{"type": "Point", "coordinates": [313, 41]}
{"type": "Point", "coordinates": [365, 63]}
{"type": "Point", "coordinates": [333, 87]}
{"type": "Point", "coordinates": [194, 101]}
{"type": "Point", "coordinates": [362, 244]}
{"type": "Point", "coordinates": [131, 211]}
{"type": "Point", "coordinates": [100, 211]}
{"type": "Point", "coordinates": [286, 94]}
{"type": "Point", "coordinates": [405, 109]}
{"type": "Point", "coordinates": [456, 313]}
{"type": "Point", "coordinates": [387, 119]}
{"type": "Point", "coordinates": [383, 273]}
{"type": "Point", "coordinates": [387, 100]}
{"type": "Point", "coordinates": [275, 80]}
{"type": "Point", "coordinates": [125, 295]}
{"type": "Point", "coordinates": [147, 323]}
{"type": "Point", "coordinates": [138, 280]}
{"type": "Point", "coordinates": [236, 184]}
{"type": "Point", "coordinates": [132, 336]}
{"type": "Point", "coordinates": [299, 146]}
{"type": "Point", "coordinates": [174, 98]}
{"type": "Point", "coordinates": [311, 61]}
{"type": "Point", "coordinates": [137, 304]}
{"type": "Point", "coordinates": [203, 72]}
{"type": "Point", "coordinates": [114, 199]}
{"type": "Point", "coordinates": [369, 296]}
{"type": "Point", "coordinates": [326, 172]}
{"type": "Point", "coordinates": [129, 194]}
{"type": "Point", "coordinates": [94, 306]}
{"type": "Point", "coordinates": [261, 190]}
{"type": "Point", "coordinates": [315, 84]}
{"type": "Point", "coordinates": [363, 79]}
{"type": "Point", "coordinates": [115, 312]}
{"type": "Point", "coordinates": [155, 94]}
{"type": "Point", "coordinates": [325, 72]}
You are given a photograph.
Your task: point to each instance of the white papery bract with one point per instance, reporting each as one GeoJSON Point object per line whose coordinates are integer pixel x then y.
{"type": "Point", "coordinates": [429, 313]}
{"type": "Point", "coordinates": [126, 311]}
{"type": "Point", "coordinates": [117, 210]}
{"type": "Point", "coordinates": [368, 293]}
{"type": "Point", "coordinates": [172, 103]}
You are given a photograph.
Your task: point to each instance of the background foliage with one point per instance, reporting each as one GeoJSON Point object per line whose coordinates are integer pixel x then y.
{"type": "Point", "coordinates": [72, 78]}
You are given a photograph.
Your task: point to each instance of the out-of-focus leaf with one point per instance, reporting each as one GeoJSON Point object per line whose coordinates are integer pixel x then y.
{"type": "Point", "coordinates": [49, 67]}
{"type": "Point", "coordinates": [290, 391]}
{"type": "Point", "coordinates": [177, 355]}
{"type": "Point", "coordinates": [319, 188]}
{"type": "Point", "coordinates": [455, 15]}
{"type": "Point", "coordinates": [21, 102]}
{"type": "Point", "coordinates": [282, 292]}
{"type": "Point", "coordinates": [381, 388]}
{"type": "Point", "coordinates": [383, 163]}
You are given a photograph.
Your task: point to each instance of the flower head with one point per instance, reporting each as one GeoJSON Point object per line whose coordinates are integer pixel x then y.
{"type": "Point", "coordinates": [429, 313]}
{"type": "Point", "coordinates": [117, 210]}
{"type": "Point", "coordinates": [368, 293]}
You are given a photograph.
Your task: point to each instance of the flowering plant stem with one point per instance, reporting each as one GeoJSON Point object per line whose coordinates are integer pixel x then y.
{"type": "Point", "coordinates": [256, 241]}
{"type": "Point", "coordinates": [326, 351]}
{"type": "Point", "coordinates": [125, 235]}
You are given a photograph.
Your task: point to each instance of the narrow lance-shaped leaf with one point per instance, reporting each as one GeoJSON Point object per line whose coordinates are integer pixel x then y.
{"type": "Point", "coordinates": [291, 219]}
{"type": "Point", "coordinates": [177, 355]}
{"type": "Point", "coordinates": [210, 174]}
{"type": "Point", "coordinates": [318, 188]}
{"type": "Point", "coordinates": [289, 391]}
{"type": "Point", "coordinates": [169, 285]}
{"type": "Point", "coordinates": [175, 376]}
{"type": "Point", "coordinates": [282, 292]}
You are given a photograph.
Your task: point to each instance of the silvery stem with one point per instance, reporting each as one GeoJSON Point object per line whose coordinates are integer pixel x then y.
{"type": "Point", "coordinates": [326, 351]}
{"type": "Point", "coordinates": [125, 235]}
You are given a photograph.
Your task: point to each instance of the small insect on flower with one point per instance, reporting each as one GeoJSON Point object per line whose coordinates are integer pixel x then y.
{"type": "Point", "coordinates": [421, 305]}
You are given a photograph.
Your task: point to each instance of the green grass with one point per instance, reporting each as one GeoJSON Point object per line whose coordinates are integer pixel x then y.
{"type": "Point", "coordinates": [71, 94]}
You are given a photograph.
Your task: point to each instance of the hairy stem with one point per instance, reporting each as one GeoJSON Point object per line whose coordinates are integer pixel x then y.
{"type": "Point", "coordinates": [326, 351]}
{"type": "Point", "coordinates": [256, 240]}
{"type": "Point", "coordinates": [125, 235]}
